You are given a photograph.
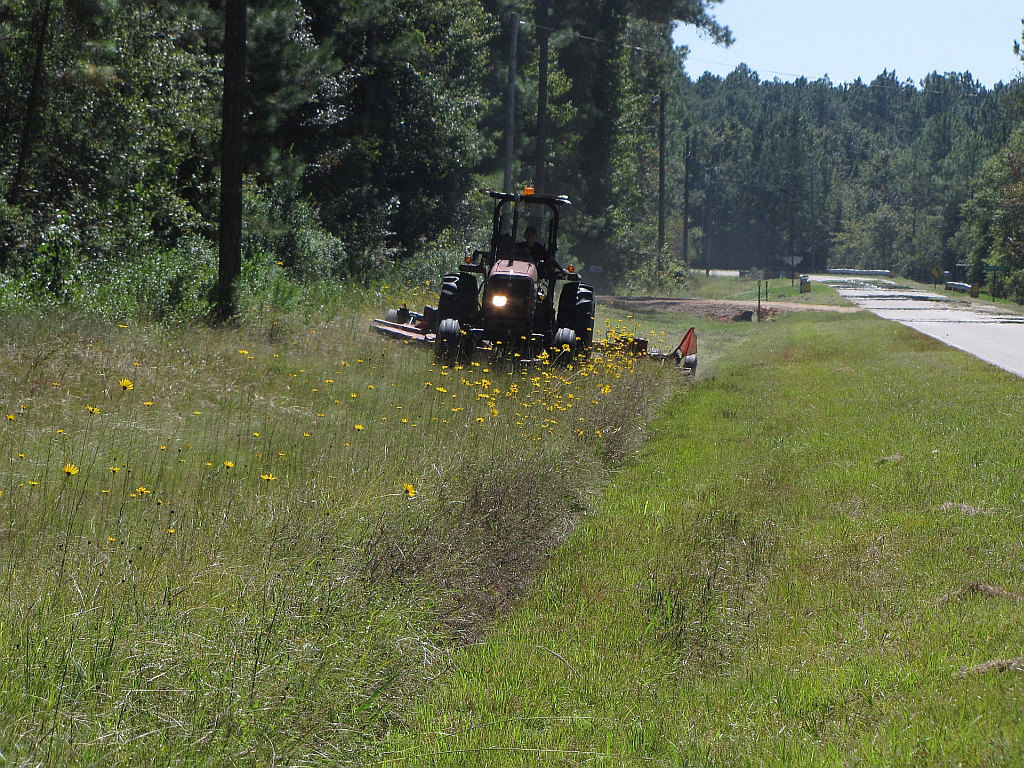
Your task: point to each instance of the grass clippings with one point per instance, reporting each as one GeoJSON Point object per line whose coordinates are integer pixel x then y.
{"type": "Point", "coordinates": [996, 665]}
{"type": "Point", "coordinates": [985, 590]}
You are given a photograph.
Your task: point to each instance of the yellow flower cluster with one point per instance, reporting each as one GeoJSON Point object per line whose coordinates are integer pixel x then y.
{"type": "Point", "coordinates": [512, 401]}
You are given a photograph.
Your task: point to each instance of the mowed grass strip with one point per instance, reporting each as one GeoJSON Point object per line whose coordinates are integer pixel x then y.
{"type": "Point", "coordinates": [816, 561]}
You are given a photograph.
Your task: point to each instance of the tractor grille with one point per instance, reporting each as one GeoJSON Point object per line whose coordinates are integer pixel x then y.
{"type": "Point", "coordinates": [508, 304]}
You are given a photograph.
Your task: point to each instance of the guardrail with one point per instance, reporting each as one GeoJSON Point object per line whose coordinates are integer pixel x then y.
{"type": "Point", "coordinates": [861, 272]}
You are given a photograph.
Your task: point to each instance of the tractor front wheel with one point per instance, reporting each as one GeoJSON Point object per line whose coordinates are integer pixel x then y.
{"type": "Point", "coordinates": [448, 340]}
{"type": "Point", "coordinates": [564, 346]}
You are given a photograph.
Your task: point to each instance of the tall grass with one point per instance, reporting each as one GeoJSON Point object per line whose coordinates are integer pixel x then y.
{"type": "Point", "coordinates": [253, 546]}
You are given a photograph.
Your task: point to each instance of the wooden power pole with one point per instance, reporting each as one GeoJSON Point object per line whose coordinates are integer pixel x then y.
{"type": "Point", "coordinates": [541, 155]}
{"type": "Point", "coordinates": [661, 174]}
{"type": "Point", "coordinates": [510, 104]}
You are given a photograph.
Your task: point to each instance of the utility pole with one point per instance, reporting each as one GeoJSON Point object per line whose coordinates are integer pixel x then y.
{"type": "Point", "coordinates": [686, 204]}
{"type": "Point", "coordinates": [661, 174]}
{"type": "Point", "coordinates": [541, 155]}
{"type": "Point", "coordinates": [709, 220]}
{"type": "Point", "coordinates": [814, 226]}
{"type": "Point", "coordinates": [510, 103]}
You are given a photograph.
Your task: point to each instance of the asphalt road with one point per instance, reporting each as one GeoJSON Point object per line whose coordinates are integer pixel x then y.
{"type": "Point", "coordinates": [987, 331]}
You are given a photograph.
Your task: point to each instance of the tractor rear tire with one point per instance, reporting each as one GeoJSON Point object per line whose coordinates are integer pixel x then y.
{"type": "Point", "coordinates": [458, 297]}
{"type": "Point", "coordinates": [567, 306]}
{"type": "Point", "coordinates": [576, 310]}
{"type": "Point", "coordinates": [584, 315]}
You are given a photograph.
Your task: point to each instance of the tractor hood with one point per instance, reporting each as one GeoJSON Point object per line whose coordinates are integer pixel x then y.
{"type": "Point", "coordinates": [515, 268]}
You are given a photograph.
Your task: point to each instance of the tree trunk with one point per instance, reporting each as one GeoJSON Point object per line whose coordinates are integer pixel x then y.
{"type": "Point", "coordinates": [35, 95]}
{"type": "Point", "coordinates": [28, 130]}
{"type": "Point", "coordinates": [230, 261]}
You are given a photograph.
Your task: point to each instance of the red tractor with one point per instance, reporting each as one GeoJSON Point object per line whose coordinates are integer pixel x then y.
{"type": "Point", "coordinates": [503, 298]}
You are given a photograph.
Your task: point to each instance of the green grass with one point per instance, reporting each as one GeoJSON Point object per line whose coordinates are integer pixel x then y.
{"type": "Point", "coordinates": [259, 550]}
{"type": "Point", "coordinates": [821, 535]}
{"type": "Point", "coordinates": [746, 289]}
{"type": "Point", "coordinates": [792, 568]}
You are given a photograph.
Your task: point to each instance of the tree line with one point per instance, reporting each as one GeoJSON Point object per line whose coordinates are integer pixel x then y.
{"type": "Point", "coordinates": [369, 123]}
{"type": "Point", "coordinates": [879, 175]}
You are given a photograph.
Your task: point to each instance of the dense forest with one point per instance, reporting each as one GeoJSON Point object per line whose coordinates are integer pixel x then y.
{"type": "Point", "coordinates": [369, 124]}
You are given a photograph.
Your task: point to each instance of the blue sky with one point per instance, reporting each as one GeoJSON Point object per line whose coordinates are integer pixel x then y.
{"type": "Point", "coordinates": [786, 39]}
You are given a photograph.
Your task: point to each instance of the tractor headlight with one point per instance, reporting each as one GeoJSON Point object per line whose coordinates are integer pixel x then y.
{"type": "Point", "coordinates": [499, 300]}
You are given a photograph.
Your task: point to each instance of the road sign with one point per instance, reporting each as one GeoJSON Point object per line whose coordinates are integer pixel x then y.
{"type": "Point", "coordinates": [992, 268]}
{"type": "Point", "coordinates": [936, 272]}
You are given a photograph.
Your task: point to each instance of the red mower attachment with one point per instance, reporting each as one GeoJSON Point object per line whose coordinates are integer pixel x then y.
{"type": "Point", "coordinates": [403, 323]}
{"type": "Point", "coordinates": [685, 354]}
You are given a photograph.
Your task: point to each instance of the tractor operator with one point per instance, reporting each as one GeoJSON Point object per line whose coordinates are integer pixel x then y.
{"type": "Point", "coordinates": [538, 254]}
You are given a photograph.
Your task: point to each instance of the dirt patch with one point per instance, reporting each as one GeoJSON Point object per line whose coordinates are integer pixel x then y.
{"type": "Point", "coordinates": [952, 506]}
{"type": "Point", "coordinates": [985, 590]}
{"type": "Point", "coordinates": [998, 665]}
{"type": "Point", "coordinates": [719, 309]}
